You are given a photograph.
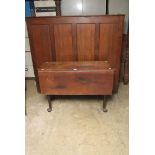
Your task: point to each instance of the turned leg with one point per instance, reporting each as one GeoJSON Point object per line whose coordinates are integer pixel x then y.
{"type": "Point", "coordinates": [104, 104]}
{"type": "Point", "coordinates": [50, 103]}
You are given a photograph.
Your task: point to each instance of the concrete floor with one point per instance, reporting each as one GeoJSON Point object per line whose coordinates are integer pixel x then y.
{"type": "Point", "coordinates": [77, 125]}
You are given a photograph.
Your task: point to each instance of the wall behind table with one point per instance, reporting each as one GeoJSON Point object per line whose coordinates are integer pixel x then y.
{"type": "Point", "coordinates": [83, 7]}
{"type": "Point", "coordinates": [96, 7]}
{"type": "Point", "coordinates": [120, 7]}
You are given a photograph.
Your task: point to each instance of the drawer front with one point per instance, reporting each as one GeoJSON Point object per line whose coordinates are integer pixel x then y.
{"type": "Point", "coordinates": [76, 83]}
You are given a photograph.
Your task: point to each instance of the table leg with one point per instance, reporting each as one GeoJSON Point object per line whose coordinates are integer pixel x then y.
{"type": "Point", "coordinates": [50, 103]}
{"type": "Point", "coordinates": [104, 104]}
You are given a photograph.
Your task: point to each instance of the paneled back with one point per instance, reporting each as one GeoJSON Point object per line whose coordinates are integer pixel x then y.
{"type": "Point", "coordinates": [74, 38]}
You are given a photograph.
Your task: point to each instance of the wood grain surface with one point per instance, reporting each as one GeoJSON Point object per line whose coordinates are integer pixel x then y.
{"type": "Point", "coordinates": [76, 78]}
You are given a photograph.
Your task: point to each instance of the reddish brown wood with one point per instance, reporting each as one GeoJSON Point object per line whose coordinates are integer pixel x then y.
{"type": "Point", "coordinates": [126, 68]}
{"type": "Point", "coordinates": [109, 48]}
{"type": "Point", "coordinates": [123, 56]}
{"type": "Point", "coordinates": [76, 78]}
{"type": "Point", "coordinates": [40, 36]}
{"type": "Point", "coordinates": [52, 42]}
{"type": "Point", "coordinates": [97, 36]}
{"type": "Point", "coordinates": [80, 38]}
{"type": "Point", "coordinates": [86, 42]}
{"type": "Point", "coordinates": [105, 41]}
{"type": "Point", "coordinates": [74, 38]}
{"type": "Point", "coordinates": [63, 42]}
{"type": "Point", "coordinates": [106, 19]}
{"type": "Point", "coordinates": [118, 48]}
{"type": "Point", "coordinates": [79, 65]}
{"type": "Point", "coordinates": [125, 59]}
{"type": "Point", "coordinates": [114, 56]}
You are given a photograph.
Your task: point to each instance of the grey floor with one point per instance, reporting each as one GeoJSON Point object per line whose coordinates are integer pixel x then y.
{"type": "Point", "coordinates": [77, 125]}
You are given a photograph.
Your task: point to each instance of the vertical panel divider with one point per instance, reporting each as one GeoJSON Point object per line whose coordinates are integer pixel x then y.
{"type": "Point", "coordinates": [97, 37]}
{"type": "Point", "coordinates": [111, 49]}
{"type": "Point", "coordinates": [52, 42]}
{"type": "Point", "coordinates": [74, 39]}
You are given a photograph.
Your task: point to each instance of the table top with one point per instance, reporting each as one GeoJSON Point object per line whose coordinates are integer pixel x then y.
{"type": "Point", "coordinates": [75, 66]}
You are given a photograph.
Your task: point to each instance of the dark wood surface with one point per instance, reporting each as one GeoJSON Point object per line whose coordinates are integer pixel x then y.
{"type": "Point", "coordinates": [86, 42]}
{"type": "Point", "coordinates": [63, 42]}
{"type": "Point", "coordinates": [124, 74]}
{"type": "Point", "coordinates": [77, 38]}
{"type": "Point", "coordinates": [41, 44]}
{"type": "Point", "coordinates": [126, 68]}
{"type": "Point", "coordinates": [76, 78]}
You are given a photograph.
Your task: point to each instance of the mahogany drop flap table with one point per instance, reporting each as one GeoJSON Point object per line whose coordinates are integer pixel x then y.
{"type": "Point", "coordinates": [76, 55]}
{"type": "Point", "coordinates": [76, 78]}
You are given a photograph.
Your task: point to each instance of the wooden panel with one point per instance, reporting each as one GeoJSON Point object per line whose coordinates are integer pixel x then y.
{"type": "Point", "coordinates": [41, 44]}
{"type": "Point", "coordinates": [76, 78]}
{"type": "Point", "coordinates": [63, 42]}
{"type": "Point", "coordinates": [86, 41]}
{"type": "Point", "coordinates": [76, 83]}
{"type": "Point", "coordinates": [105, 41]}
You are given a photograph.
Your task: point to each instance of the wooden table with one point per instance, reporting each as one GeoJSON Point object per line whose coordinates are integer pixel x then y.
{"type": "Point", "coordinates": [76, 78]}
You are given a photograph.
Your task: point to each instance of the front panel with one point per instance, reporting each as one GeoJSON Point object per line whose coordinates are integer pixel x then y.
{"type": "Point", "coordinates": [76, 83]}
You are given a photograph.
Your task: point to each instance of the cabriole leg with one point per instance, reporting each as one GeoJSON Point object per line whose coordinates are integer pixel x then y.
{"type": "Point", "coordinates": [104, 104]}
{"type": "Point", "coordinates": [50, 103]}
